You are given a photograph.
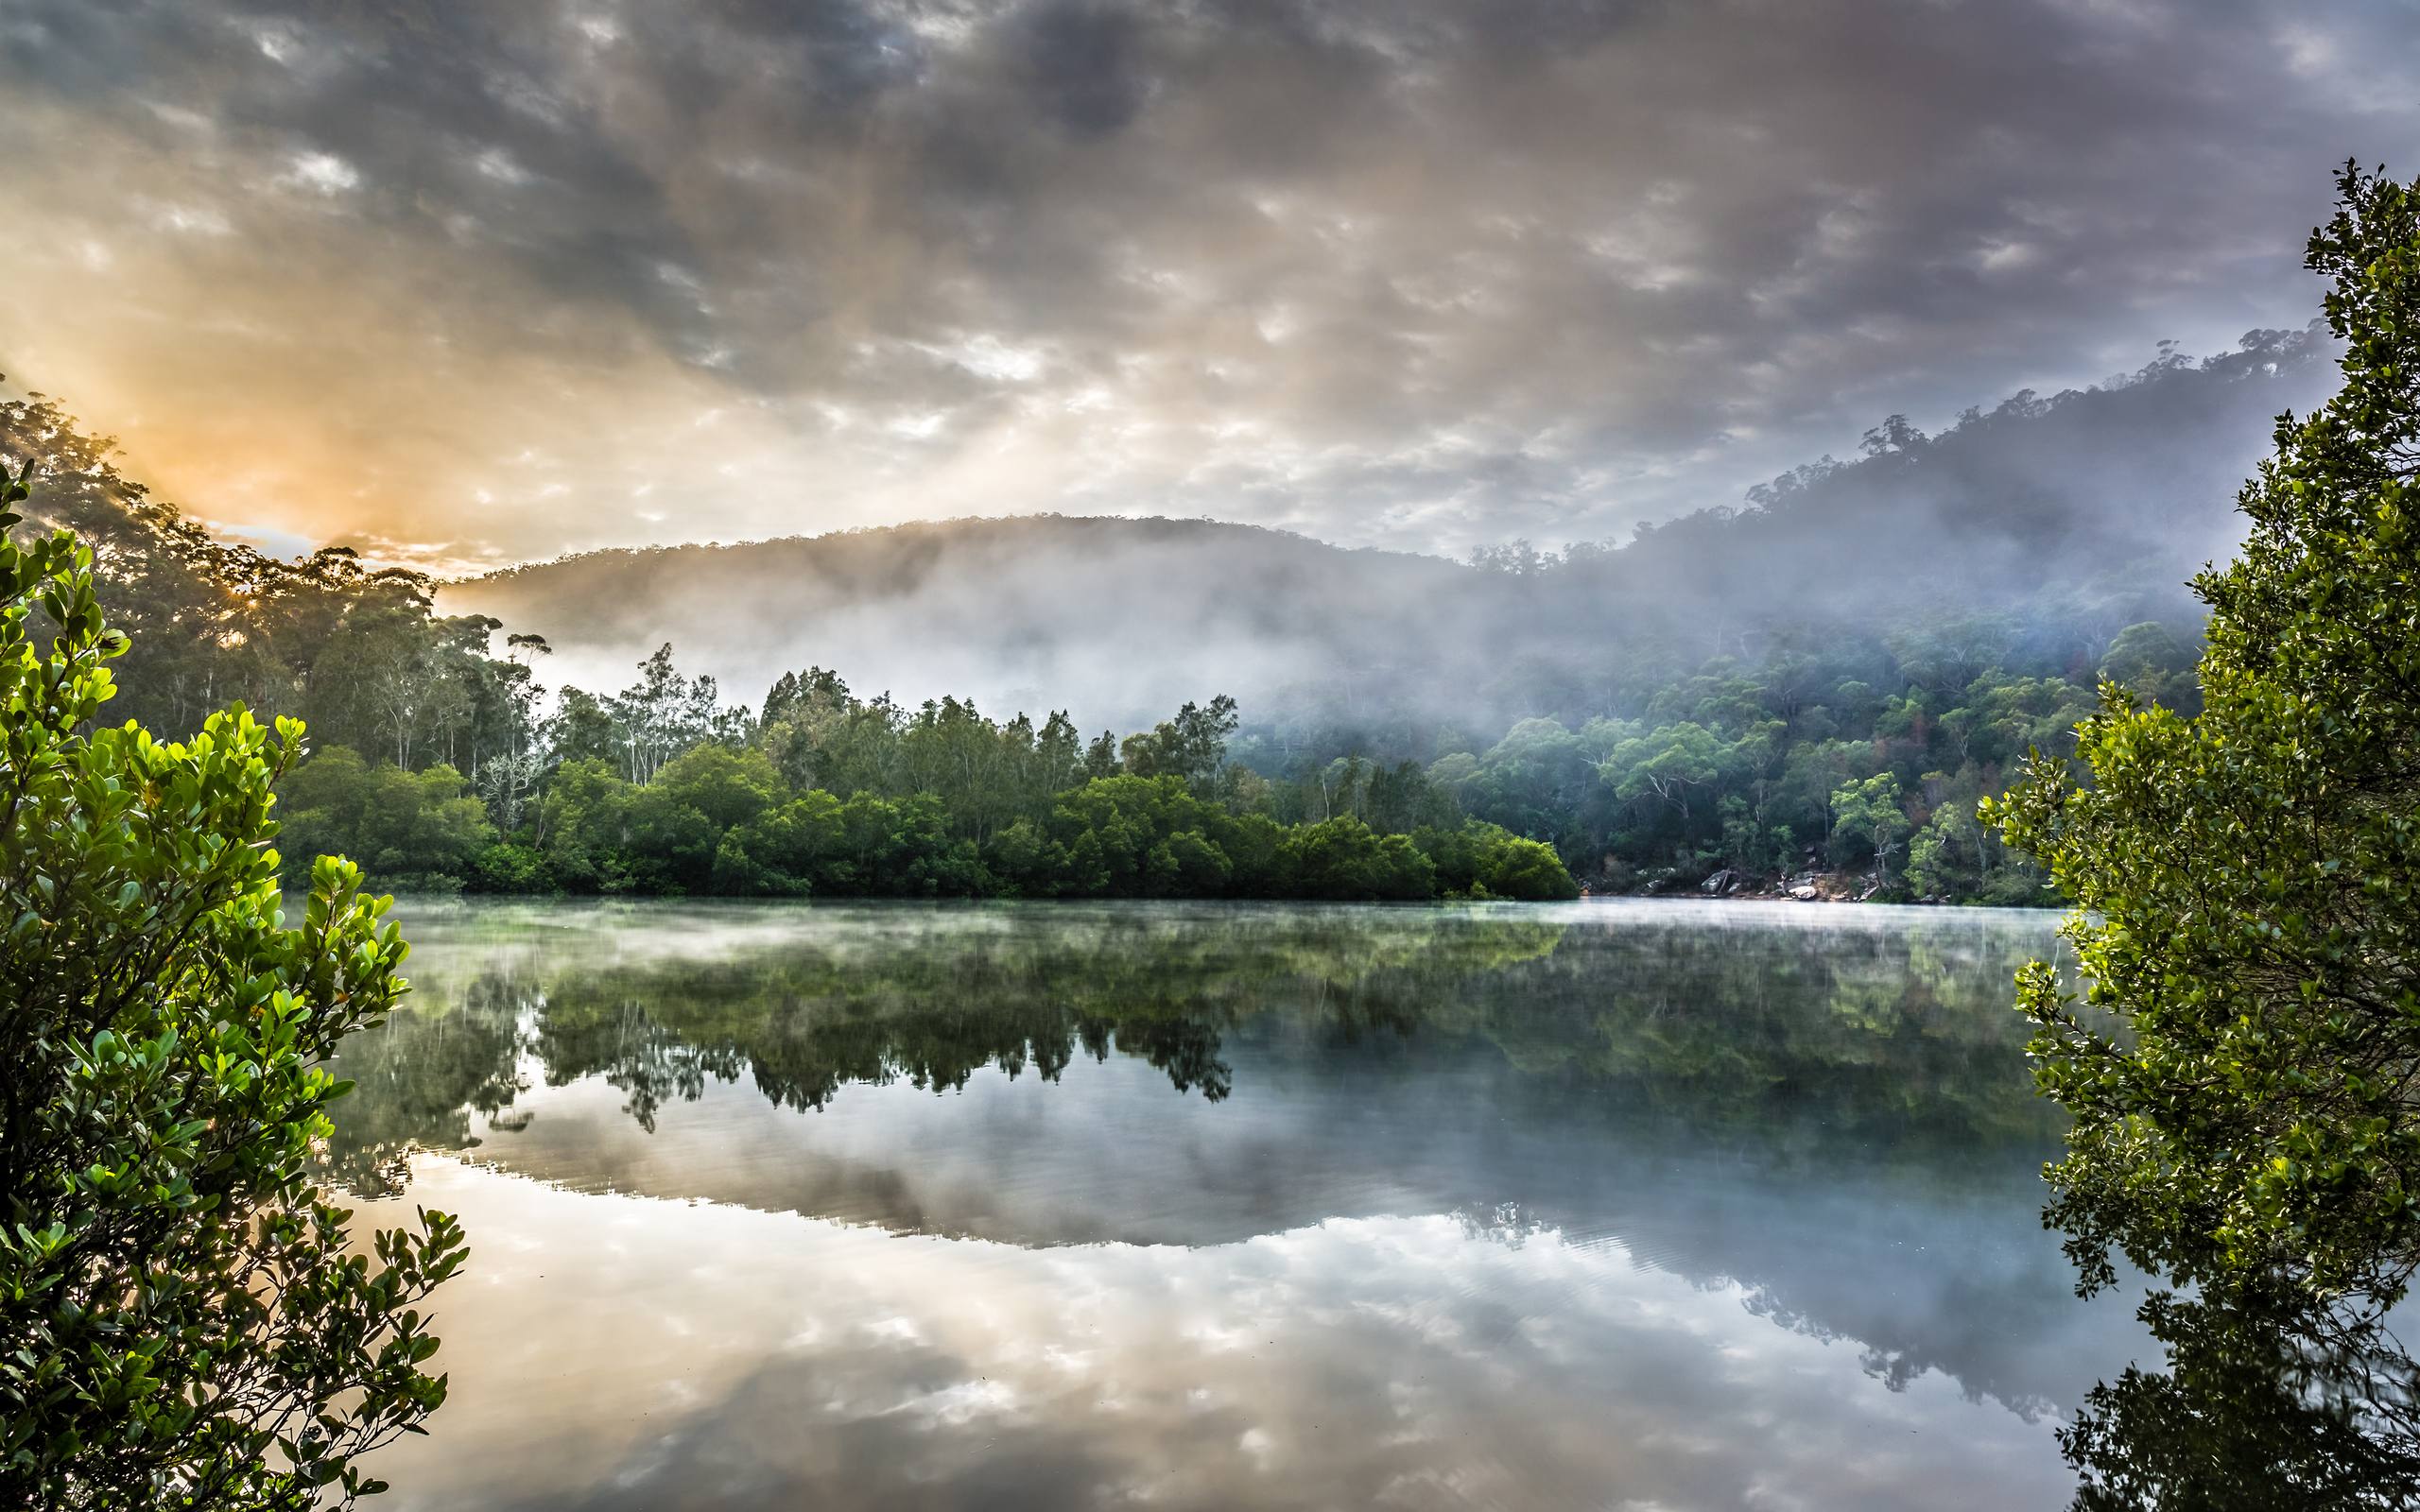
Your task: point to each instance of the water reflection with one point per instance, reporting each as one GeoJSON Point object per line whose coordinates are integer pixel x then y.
{"type": "Point", "coordinates": [1877, 1031]}
{"type": "Point", "coordinates": [1231, 1205]}
{"type": "Point", "coordinates": [2273, 1405]}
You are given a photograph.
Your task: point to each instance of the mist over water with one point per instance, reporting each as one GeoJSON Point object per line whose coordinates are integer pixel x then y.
{"type": "Point", "coordinates": [1220, 1205]}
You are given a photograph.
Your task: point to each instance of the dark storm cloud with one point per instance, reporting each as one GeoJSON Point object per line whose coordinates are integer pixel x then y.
{"type": "Point", "coordinates": [492, 281]}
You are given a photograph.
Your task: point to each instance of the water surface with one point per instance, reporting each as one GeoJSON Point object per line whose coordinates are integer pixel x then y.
{"type": "Point", "coordinates": [1607, 1205]}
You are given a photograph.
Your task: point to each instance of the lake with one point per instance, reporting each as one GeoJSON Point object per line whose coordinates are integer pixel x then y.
{"type": "Point", "coordinates": [1638, 1204]}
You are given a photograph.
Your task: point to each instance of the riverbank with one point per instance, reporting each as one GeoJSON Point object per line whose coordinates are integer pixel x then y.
{"type": "Point", "coordinates": [1809, 885]}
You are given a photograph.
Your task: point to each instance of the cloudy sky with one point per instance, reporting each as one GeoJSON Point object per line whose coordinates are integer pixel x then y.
{"type": "Point", "coordinates": [466, 283]}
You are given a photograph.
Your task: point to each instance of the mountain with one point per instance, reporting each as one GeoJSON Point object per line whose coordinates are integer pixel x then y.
{"type": "Point", "coordinates": [1120, 618]}
{"type": "Point", "coordinates": [2092, 504]}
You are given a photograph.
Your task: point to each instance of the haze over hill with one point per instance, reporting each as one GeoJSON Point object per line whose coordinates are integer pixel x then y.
{"type": "Point", "coordinates": [1119, 620]}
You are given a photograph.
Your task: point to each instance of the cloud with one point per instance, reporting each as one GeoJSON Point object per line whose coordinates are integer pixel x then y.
{"type": "Point", "coordinates": [1412, 274]}
{"type": "Point", "coordinates": [705, 1356]}
{"type": "Point", "coordinates": [321, 173]}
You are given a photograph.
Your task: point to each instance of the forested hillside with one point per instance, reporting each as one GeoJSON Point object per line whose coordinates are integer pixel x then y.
{"type": "Point", "coordinates": [2089, 508]}
{"type": "Point", "coordinates": [1820, 681]}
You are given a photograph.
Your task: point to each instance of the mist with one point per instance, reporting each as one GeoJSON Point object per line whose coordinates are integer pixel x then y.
{"type": "Point", "coordinates": [2026, 503]}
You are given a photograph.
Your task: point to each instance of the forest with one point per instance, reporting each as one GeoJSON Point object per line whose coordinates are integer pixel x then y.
{"type": "Point", "coordinates": [1845, 759]}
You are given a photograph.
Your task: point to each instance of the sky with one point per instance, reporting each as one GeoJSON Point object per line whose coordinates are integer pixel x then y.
{"type": "Point", "coordinates": [464, 285]}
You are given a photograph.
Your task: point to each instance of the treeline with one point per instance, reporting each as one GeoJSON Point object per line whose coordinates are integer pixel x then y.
{"type": "Point", "coordinates": [1862, 757]}
{"type": "Point", "coordinates": [438, 765]}
{"type": "Point", "coordinates": [360, 655]}
{"type": "Point", "coordinates": [656, 792]}
{"type": "Point", "coordinates": [1852, 747]}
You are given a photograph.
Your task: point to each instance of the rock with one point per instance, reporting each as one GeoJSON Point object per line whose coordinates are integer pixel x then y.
{"type": "Point", "coordinates": [1735, 888]}
{"type": "Point", "coordinates": [1804, 892]}
{"type": "Point", "coordinates": [1717, 884]}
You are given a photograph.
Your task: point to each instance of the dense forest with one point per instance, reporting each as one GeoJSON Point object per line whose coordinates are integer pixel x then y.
{"type": "Point", "coordinates": [1831, 750]}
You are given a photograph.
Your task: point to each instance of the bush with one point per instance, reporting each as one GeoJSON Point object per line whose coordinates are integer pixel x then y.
{"type": "Point", "coordinates": [1480, 860]}
{"type": "Point", "coordinates": [511, 867]}
{"type": "Point", "coordinates": [1343, 859]}
{"type": "Point", "coordinates": [421, 830]}
{"type": "Point", "coordinates": [1529, 870]}
{"type": "Point", "coordinates": [184, 1326]}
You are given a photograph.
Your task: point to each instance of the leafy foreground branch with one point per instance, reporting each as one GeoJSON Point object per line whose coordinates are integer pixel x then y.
{"type": "Point", "coordinates": [2244, 1071]}
{"type": "Point", "coordinates": [185, 1321]}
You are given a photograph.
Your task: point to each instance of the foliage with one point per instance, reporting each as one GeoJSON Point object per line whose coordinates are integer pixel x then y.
{"type": "Point", "coordinates": [2239, 1069]}
{"type": "Point", "coordinates": [1344, 858]}
{"type": "Point", "coordinates": [2253, 875]}
{"type": "Point", "coordinates": [1642, 756]}
{"type": "Point", "coordinates": [1849, 757]}
{"type": "Point", "coordinates": [188, 1323]}
{"type": "Point", "coordinates": [1193, 745]}
{"type": "Point", "coordinates": [1852, 754]}
{"type": "Point", "coordinates": [1481, 860]}
{"type": "Point", "coordinates": [1867, 812]}
{"type": "Point", "coordinates": [722, 820]}
{"type": "Point", "coordinates": [419, 830]}
{"type": "Point", "coordinates": [2263, 1404]}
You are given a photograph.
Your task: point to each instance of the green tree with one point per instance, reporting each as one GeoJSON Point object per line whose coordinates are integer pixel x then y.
{"type": "Point", "coordinates": [1869, 813]}
{"type": "Point", "coordinates": [584, 822]}
{"type": "Point", "coordinates": [185, 1324]}
{"type": "Point", "coordinates": [2246, 1120]}
{"type": "Point", "coordinates": [1192, 746]}
{"type": "Point", "coordinates": [418, 829]}
{"type": "Point", "coordinates": [1344, 859]}
{"type": "Point", "coordinates": [1137, 837]}
{"type": "Point", "coordinates": [2154, 663]}
{"type": "Point", "coordinates": [1480, 860]}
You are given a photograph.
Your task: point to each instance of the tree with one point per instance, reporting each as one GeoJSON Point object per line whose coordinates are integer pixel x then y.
{"type": "Point", "coordinates": [1343, 859]}
{"type": "Point", "coordinates": [1667, 764]}
{"type": "Point", "coordinates": [2239, 1069]}
{"type": "Point", "coordinates": [1870, 811]}
{"type": "Point", "coordinates": [2153, 662]}
{"type": "Point", "coordinates": [417, 830]}
{"type": "Point", "coordinates": [665, 713]}
{"type": "Point", "coordinates": [184, 1324]}
{"type": "Point", "coordinates": [1192, 746]}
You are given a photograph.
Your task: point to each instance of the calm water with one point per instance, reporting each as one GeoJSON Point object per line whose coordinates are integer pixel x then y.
{"type": "Point", "coordinates": [1607, 1205]}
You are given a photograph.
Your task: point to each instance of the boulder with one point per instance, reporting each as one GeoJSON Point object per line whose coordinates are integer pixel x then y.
{"type": "Point", "coordinates": [1804, 892]}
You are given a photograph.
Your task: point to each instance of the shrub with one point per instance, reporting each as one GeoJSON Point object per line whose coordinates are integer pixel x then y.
{"type": "Point", "coordinates": [186, 1324]}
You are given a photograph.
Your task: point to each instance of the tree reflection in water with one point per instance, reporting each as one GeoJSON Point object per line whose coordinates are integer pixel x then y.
{"type": "Point", "coordinates": [1858, 1035]}
{"type": "Point", "coordinates": [1816, 1047]}
{"type": "Point", "coordinates": [2261, 1405]}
